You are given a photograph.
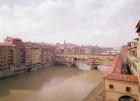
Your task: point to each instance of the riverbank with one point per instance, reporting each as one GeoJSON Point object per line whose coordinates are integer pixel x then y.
{"type": "Point", "coordinates": [9, 73]}
{"type": "Point", "coordinates": [96, 94]}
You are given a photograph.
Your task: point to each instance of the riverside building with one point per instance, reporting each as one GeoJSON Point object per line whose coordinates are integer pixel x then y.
{"type": "Point", "coordinates": [122, 81]}
{"type": "Point", "coordinates": [8, 58]}
{"type": "Point", "coordinates": [20, 50]}
{"type": "Point", "coordinates": [17, 56]}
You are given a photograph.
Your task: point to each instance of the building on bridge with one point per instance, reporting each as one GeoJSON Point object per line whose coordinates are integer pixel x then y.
{"type": "Point", "coordinates": [93, 59]}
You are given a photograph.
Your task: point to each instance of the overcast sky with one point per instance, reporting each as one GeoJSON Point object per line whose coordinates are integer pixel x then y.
{"type": "Point", "coordinates": [101, 22]}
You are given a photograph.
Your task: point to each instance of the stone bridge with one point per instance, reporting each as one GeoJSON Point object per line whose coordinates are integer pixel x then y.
{"type": "Point", "coordinates": [97, 59]}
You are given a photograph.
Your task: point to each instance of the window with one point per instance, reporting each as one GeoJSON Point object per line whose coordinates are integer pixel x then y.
{"type": "Point", "coordinates": [111, 86]}
{"type": "Point", "coordinates": [128, 89]}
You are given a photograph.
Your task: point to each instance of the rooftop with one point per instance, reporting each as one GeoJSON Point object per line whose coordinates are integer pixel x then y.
{"type": "Point", "coordinates": [121, 77]}
{"type": "Point", "coordinates": [6, 44]}
{"type": "Point", "coordinates": [114, 72]}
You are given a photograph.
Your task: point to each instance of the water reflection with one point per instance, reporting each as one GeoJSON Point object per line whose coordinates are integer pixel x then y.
{"type": "Point", "coordinates": [103, 68]}
{"type": "Point", "coordinates": [51, 84]}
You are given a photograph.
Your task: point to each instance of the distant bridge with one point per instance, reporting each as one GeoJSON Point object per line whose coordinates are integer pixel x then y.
{"type": "Point", "coordinates": [96, 59]}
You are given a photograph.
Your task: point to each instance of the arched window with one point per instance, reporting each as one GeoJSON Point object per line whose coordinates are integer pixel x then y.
{"type": "Point", "coordinates": [127, 98]}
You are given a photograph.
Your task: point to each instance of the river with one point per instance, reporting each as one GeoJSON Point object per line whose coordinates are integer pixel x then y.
{"type": "Point", "coordinates": [56, 83]}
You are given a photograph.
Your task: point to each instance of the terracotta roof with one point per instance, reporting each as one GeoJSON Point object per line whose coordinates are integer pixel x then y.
{"type": "Point", "coordinates": [121, 77]}
{"type": "Point", "coordinates": [114, 72]}
{"type": "Point", "coordinates": [128, 47]}
{"type": "Point", "coordinates": [6, 44]}
{"type": "Point", "coordinates": [115, 67]}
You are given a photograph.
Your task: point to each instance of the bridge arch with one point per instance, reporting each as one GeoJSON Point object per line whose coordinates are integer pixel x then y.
{"type": "Point", "coordinates": [127, 98]}
{"type": "Point", "coordinates": [75, 58]}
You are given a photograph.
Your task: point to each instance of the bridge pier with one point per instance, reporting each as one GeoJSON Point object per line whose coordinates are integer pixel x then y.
{"type": "Point", "coordinates": [93, 66]}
